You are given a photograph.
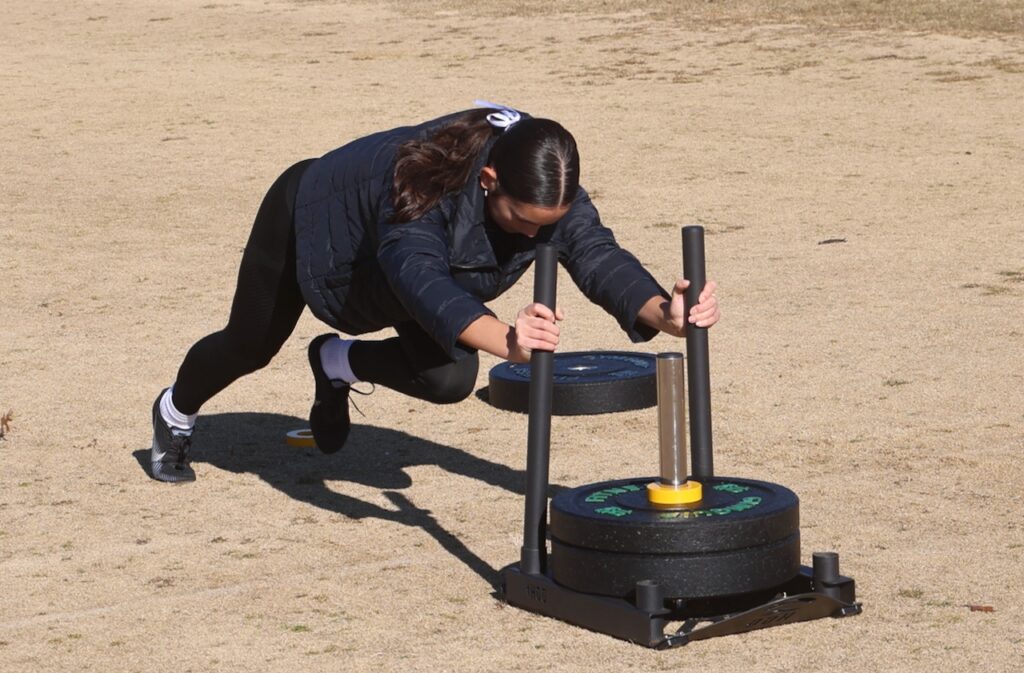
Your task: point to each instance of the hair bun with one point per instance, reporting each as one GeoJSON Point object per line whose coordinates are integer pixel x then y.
{"type": "Point", "coordinates": [504, 118]}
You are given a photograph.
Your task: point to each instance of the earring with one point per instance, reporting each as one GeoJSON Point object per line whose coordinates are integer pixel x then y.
{"type": "Point", "coordinates": [485, 192]}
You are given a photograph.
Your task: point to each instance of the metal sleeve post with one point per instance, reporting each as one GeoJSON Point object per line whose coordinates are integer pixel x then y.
{"type": "Point", "coordinates": [533, 559]}
{"type": "Point", "coordinates": [698, 371]}
{"type": "Point", "coordinates": [671, 418]}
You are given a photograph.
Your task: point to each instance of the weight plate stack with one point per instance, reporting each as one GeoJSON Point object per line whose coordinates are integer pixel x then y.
{"type": "Point", "coordinates": [585, 382]}
{"type": "Point", "coordinates": [744, 536]}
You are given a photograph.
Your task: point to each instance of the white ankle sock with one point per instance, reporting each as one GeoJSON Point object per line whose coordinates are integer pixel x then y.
{"type": "Point", "coordinates": [172, 416]}
{"type": "Point", "coordinates": [334, 360]}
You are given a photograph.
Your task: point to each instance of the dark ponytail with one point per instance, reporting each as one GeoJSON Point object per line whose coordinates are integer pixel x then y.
{"type": "Point", "coordinates": [428, 169]}
{"type": "Point", "coordinates": [536, 161]}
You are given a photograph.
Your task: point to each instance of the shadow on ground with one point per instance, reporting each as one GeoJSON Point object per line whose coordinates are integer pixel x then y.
{"type": "Point", "coordinates": [377, 457]}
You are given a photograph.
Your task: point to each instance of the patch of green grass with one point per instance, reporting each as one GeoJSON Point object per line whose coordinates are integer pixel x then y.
{"type": "Point", "coordinates": [995, 290]}
{"type": "Point", "coordinates": [959, 77]}
{"type": "Point", "coordinates": [327, 650]}
{"type": "Point", "coordinates": [1003, 65]}
{"type": "Point", "coordinates": [946, 16]}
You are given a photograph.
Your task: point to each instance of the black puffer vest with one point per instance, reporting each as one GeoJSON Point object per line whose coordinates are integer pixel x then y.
{"type": "Point", "coordinates": [360, 273]}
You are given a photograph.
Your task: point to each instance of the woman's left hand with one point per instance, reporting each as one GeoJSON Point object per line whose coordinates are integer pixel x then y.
{"type": "Point", "coordinates": [705, 314]}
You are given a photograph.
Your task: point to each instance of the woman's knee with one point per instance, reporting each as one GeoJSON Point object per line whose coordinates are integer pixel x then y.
{"type": "Point", "coordinates": [452, 382]}
{"type": "Point", "coordinates": [257, 360]}
{"type": "Point", "coordinates": [250, 354]}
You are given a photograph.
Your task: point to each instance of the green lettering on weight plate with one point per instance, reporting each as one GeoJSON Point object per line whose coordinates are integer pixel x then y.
{"type": "Point", "coordinates": [749, 502]}
{"type": "Point", "coordinates": [604, 494]}
{"type": "Point", "coordinates": [614, 511]}
{"type": "Point", "coordinates": [730, 488]}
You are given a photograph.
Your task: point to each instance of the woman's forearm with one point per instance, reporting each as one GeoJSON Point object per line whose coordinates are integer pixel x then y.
{"type": "Point", "coordinates": [670, 315]}
{"type": "Point", "coordinates": [489, 334]}
{"type": "Point", "coordinates": [535, 328]}
{"type": "Point", "coordinates": [656, 313]}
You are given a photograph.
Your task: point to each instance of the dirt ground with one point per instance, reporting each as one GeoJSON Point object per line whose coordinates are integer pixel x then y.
{"type": "Point", "coordinates": [881, 377]}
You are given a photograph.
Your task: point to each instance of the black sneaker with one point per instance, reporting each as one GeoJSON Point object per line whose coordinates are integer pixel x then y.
{"type": "Point", "coordinates": [169, 456]}
{"type": "Point", "coordinates": [328, 417]}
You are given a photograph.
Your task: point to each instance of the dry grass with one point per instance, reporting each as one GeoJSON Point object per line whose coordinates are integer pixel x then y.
{"type": "Point", "coordinates": [863, 219]}
{"type": "Point", "coordinates": [939, 16]}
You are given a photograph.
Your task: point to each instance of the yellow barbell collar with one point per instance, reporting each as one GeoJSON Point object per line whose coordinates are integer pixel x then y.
{"type": "Point", "coordinates": [684, 494]}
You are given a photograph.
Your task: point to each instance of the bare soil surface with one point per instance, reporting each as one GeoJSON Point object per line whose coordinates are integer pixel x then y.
{"type": "Point", "coordinates": [880, 375]}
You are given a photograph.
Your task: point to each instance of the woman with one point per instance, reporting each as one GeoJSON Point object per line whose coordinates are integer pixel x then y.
{"type": "Point", "coordinates": [414, 228]}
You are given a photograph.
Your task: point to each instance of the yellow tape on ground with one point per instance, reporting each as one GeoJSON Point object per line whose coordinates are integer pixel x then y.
{"type": "Point", "coordinates": [301, 438]}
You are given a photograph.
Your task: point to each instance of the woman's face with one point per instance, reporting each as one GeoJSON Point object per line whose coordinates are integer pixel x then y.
{"type": "Point", "coordinates": [516, 217]}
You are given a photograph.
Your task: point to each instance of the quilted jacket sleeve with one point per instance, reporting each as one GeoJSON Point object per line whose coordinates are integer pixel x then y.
{"type": "Point", "coordinates": [608, 275]}
{"type": "Point", "coordinates": [414, 257]}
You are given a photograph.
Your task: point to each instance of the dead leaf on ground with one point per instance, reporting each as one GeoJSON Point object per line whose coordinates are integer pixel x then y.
{"type": "Point", "coordinates": [5, 423]}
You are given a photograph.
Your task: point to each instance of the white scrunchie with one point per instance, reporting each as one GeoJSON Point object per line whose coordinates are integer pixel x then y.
{"type": "Point", "coordinates": [504, 118]}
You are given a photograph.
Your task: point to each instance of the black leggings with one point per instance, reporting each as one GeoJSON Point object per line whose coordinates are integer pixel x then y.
{"type": "Point", "coordinates": [267, 306]}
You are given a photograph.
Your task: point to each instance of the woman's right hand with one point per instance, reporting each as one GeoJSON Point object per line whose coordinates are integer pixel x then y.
{"type": "Point", "coordinates": [535, 329]}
